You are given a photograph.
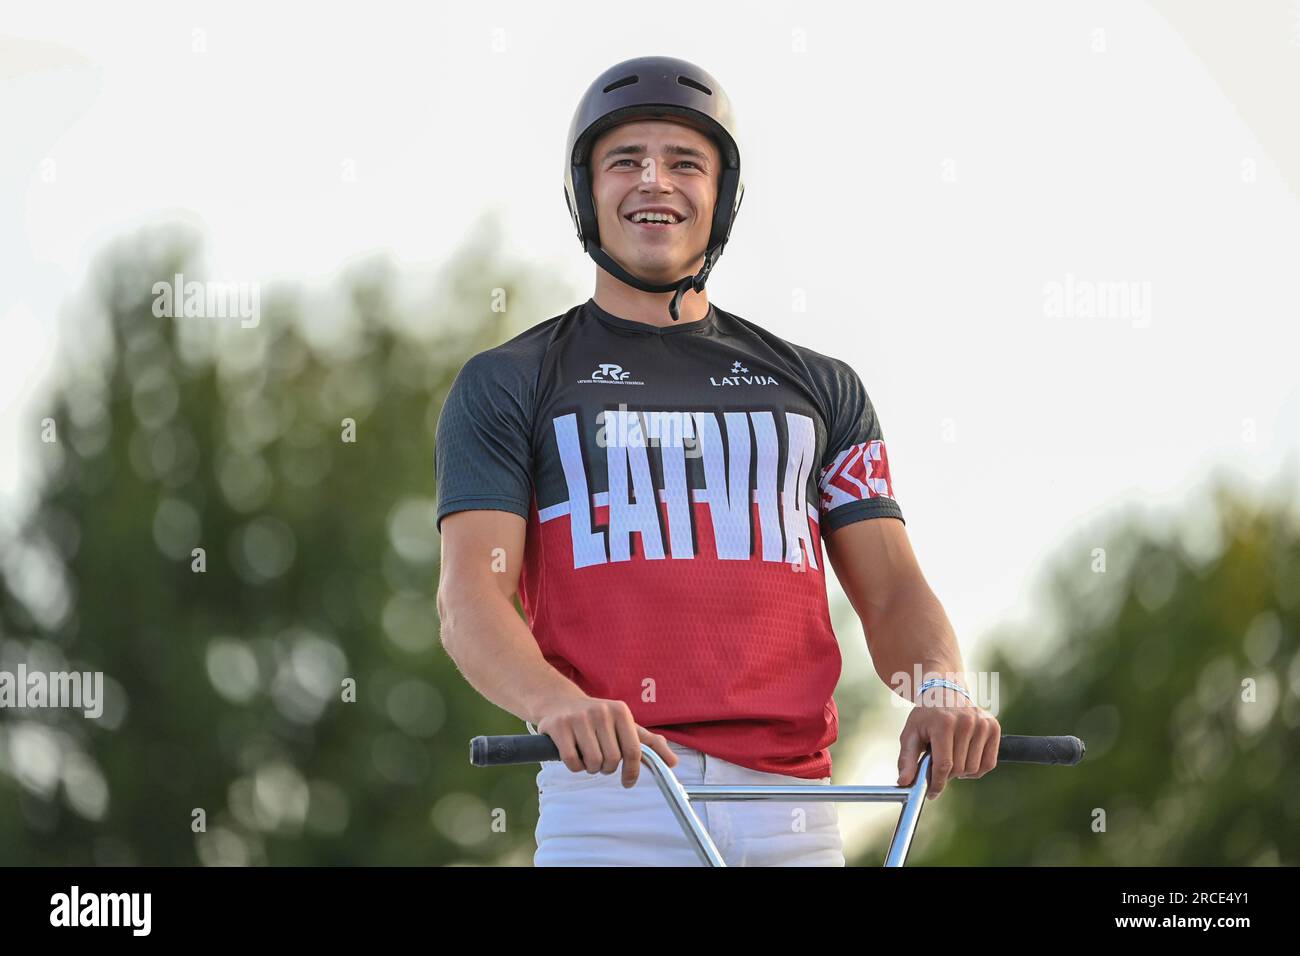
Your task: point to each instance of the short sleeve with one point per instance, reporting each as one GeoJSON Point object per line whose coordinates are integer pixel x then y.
{"type": "Point", "coordinates": [483, 453]}
{"type": "Point", "coordinates": [854, 481]}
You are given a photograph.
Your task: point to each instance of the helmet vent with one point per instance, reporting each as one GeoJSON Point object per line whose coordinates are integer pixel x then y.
{"type": "Point", "coordinates": [618, 84]}
{"type": "Point", "coordinates": [687, 81]}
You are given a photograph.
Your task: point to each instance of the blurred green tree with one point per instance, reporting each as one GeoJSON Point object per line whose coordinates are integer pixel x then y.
{"type": "Point", "coordinates": [1177, 661]}
{"type": "Point", "coordinates": [226, 688]}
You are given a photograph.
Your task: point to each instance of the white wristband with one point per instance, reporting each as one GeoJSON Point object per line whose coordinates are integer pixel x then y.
{"type": "Point", "coordinates": [940, 682]}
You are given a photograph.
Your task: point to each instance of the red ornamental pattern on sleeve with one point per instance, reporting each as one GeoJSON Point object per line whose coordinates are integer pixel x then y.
{"type": "Point", "coordinates": [858, 472]}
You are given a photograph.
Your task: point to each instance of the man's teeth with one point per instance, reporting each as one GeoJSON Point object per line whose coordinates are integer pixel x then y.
{"type": "Point", "coordinates": [654, 217]}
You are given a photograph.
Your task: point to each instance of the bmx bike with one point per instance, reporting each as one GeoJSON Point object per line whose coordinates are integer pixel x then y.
{"type": "Point", "coordinates": [532, 748]}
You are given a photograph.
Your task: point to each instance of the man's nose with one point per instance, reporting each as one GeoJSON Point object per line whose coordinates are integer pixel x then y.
{"type": "Point", "coordinates": [652, 175]}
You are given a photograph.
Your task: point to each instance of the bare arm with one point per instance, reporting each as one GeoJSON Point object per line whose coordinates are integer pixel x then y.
{"type": "Point", "coordinates": [904, 622]}
{"type": "Point", "coordinates": [906, 628]}
{"type": "Point", "coordinates": [482, 553]}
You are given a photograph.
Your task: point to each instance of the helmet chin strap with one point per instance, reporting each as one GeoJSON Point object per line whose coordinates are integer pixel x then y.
{"type": "Point", "coordinates": [678, 288]}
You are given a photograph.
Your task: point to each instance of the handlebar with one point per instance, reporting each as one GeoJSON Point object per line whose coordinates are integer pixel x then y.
{"type": "Point", "coordinates": [536, 748]}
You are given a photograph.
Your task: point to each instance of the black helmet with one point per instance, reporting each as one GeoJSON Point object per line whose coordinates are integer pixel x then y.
{"type": "Point", "coordinates": [652, 87]}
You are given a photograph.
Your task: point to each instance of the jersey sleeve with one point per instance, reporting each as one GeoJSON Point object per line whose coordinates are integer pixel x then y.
{"type": "Point", "coordinates": [854, 481]}
{"type": "Point", "coordinates": [483, 450]}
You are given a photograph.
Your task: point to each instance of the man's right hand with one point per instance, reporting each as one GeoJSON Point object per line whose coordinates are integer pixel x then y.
{"type": "Point", "coordinates": [596, 735]}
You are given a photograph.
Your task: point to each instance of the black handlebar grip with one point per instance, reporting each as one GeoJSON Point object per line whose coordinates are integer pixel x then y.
{"type": "Point", "coordinates": [1066, 751]}
{"type": "Point", "coordinates": [512, 748]}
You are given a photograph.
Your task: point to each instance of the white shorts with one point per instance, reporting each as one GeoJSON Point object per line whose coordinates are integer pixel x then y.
{"type": "Point", "coordinates": [593, 820]}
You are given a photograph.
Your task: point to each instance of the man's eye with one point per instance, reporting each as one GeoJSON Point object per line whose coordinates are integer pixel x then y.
{"type": "Point", "coordinates": [688, 161]}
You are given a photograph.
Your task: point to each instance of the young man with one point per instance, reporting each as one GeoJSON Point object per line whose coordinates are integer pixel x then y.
{"type": "Point", "coordinates": [655, 477]}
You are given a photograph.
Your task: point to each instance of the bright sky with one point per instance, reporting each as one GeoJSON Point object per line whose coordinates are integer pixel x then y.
{"type": "Point", "coordinates": [930, 179]}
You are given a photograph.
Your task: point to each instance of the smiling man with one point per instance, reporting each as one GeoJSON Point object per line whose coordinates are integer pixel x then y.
{"type": "Point", "coordinates": [654, 477]}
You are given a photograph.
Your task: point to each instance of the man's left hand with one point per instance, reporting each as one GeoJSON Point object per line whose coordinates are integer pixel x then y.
{"type": "Point", "coordinates": [962, 737]}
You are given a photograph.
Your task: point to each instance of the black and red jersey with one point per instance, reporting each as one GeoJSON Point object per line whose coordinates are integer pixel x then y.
{"type": "Point", "coordinates": [676, 482]}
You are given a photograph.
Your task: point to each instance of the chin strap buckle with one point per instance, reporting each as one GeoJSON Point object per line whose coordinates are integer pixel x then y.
{"type": "Point", "coordinates": [695, 283]}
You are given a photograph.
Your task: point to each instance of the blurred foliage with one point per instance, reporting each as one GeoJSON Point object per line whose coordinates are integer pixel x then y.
{"type": "Point", "coordinates": [225, 688]}
{"type": "Point", "coordinates": [1179, 668]}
